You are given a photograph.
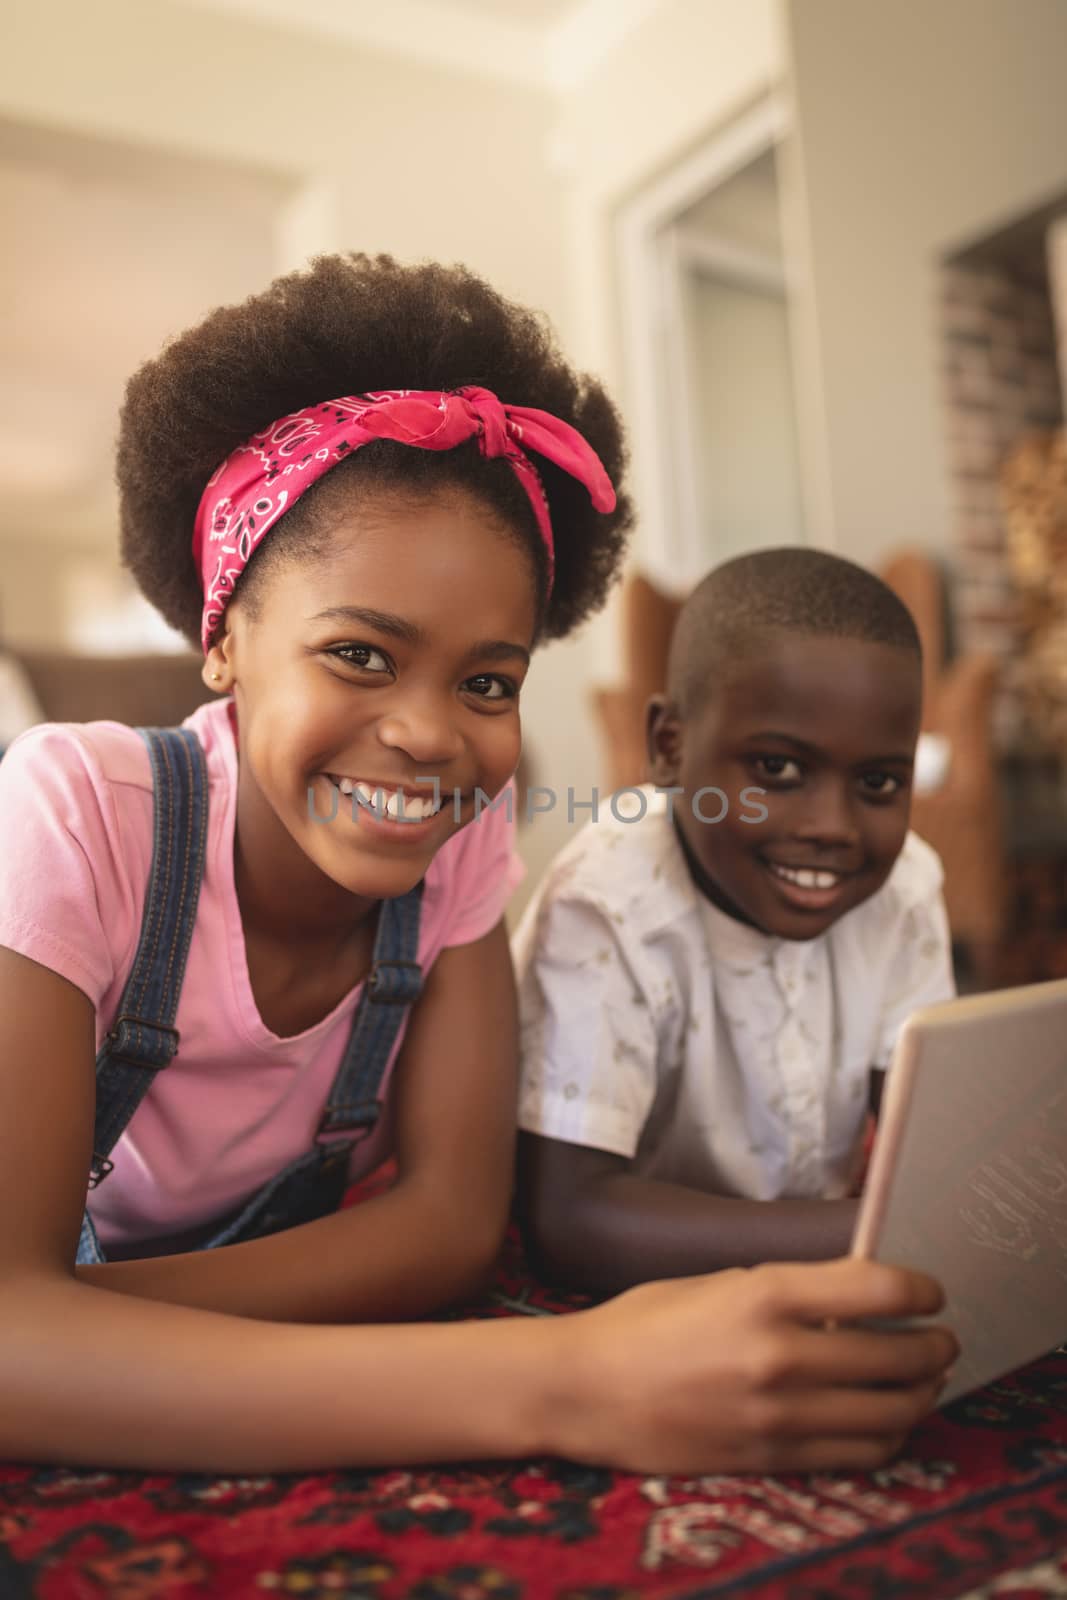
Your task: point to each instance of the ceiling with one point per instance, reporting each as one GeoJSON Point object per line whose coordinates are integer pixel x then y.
{"type": "Point", "coordinates": [540, 12]}
{"type": "Point", "coordinates": [543, 44]}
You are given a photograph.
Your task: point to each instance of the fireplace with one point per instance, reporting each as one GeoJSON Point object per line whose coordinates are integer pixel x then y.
{"type": "Point", "coordinates": [1000, 309]}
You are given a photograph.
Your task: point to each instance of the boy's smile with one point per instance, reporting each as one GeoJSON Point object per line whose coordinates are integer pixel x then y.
{"type": "Point", "coordinates": [826, 727]}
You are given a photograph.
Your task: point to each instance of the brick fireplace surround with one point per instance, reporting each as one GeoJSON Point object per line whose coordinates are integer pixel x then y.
{"type": "Point", "coordinates": [1002, 381]}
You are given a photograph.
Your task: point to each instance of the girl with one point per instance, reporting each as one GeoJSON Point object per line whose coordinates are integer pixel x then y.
{"type": "Point", "coordinates": [368, 493]}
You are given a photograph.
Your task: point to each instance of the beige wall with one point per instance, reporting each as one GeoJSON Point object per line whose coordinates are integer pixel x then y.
{"type": "Point", "coordinates": [425, 163]}
{"type": "Point", "coordinates": [921, 125]}
{"type": "Point", "coordinates": [685, 71]}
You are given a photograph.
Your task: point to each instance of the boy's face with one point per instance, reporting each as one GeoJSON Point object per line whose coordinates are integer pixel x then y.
{"type": "Point", "coordinates": [827, 728]}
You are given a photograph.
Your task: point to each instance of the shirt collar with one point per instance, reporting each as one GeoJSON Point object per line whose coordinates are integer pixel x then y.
{"type": "Point", "coordinates": [669, 895]}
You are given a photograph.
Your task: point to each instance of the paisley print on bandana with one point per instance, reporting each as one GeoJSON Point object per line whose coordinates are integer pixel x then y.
{"type": "Point", "coordinates": [262, 478]}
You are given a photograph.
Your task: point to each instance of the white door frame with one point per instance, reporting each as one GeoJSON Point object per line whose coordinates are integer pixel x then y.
{"type": "Point", "coordinates": [652, 254]}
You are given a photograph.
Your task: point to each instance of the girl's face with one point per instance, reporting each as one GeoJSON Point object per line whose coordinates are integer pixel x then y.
{"type": "Point", "coordinates": [394, 664]}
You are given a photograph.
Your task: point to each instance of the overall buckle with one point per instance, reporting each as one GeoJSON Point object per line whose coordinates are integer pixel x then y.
{"type": "Point", "coordinates": [114, 1038]}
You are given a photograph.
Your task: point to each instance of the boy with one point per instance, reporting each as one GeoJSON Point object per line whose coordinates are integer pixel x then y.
{"type": "Point", "coordinates": [709, 991]}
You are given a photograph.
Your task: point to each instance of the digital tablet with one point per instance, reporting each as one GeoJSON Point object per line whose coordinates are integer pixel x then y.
{"type": "Point", "coordinates": [968, 1175]}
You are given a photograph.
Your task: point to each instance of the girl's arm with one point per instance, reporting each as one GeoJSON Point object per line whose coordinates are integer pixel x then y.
{"type": "Point", "coordinates": [433, 1236]}
{"type": "Point", "coordinates": [91, 1376]}
{"type": "Point", "coordinates": [591, 1224]}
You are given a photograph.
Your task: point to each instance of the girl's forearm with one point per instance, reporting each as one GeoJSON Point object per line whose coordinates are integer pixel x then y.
{"type": "Point", "coordinates": [732, 1372]}
{"type": "Point", "coordinates": [88, 1376]}
{"type": "Point", "coordinates": [400, 1255]}
{"type": "Point", "coordinates": [617, 1230]}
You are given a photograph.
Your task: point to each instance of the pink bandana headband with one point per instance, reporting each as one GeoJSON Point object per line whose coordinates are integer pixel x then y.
{"type": "Point", "coordinates": [265, 477]}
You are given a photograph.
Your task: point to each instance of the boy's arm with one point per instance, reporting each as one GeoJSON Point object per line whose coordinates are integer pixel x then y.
{"type": "Point", "coordinates": [591, 1044]}
{"type": "Point", "coordinates": [590, 1224]}
{"type": "Point", "coordinates": [434, 1235]}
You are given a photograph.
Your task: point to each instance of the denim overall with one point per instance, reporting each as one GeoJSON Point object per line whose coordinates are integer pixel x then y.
{"type": "Point", "coordinates": [143, 1039]}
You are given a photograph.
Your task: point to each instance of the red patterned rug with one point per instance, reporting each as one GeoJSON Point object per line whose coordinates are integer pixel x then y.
{"type": "Point", "coordinates": [977, 1508]}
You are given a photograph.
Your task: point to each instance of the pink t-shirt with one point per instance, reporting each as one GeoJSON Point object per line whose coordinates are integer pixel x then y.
{"type": "Point", "coordinates": [237, 1103]}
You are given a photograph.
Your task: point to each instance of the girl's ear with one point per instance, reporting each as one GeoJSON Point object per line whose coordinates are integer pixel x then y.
{"type": "Point", "coordinates": [216, 671]}
{"type": "Point", "coordinates": [663, 737]}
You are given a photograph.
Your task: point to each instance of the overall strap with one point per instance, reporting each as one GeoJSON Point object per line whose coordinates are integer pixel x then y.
{"type": "Point", "coordinates": [143, 1038]}
{"type": "Point", "coordinates": [393, 984]}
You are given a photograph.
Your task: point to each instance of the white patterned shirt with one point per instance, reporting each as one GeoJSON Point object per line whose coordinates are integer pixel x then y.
{"type": "Point", "coordinates": [709, 1054]}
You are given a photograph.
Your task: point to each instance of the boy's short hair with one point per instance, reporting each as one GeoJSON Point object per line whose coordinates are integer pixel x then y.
{"type": "Point", "coordinates": [793, 589]}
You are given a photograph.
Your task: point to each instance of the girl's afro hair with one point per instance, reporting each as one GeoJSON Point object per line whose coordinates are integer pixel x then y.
{"type": "Point", "coordinates": [346, 325]}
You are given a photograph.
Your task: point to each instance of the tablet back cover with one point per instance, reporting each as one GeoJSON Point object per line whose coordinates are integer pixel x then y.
{"type": "Point", "coordinates": [968, 1178]}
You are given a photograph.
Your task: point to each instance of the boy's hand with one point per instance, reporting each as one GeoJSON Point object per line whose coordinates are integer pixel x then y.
{"type": "Point", "coordinates": [745, 1371]}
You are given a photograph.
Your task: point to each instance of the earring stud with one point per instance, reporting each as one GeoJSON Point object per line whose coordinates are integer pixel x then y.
{"type": "Point", "coordinates": [216, 677]}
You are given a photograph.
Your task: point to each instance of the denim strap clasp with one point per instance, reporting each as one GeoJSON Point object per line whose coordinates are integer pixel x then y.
{"type": "Point", "coordinates": [141, 1042]}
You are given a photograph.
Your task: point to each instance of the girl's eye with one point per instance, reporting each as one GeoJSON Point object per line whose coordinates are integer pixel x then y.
{"type": "Point", "coordinates": [363, 656]}
{"type": "Point", "coordinates": [784, 768]}
{"type": "Point", "coordinates": [882, 785]}
{"type": "Point", "coordinates": [487, 686]}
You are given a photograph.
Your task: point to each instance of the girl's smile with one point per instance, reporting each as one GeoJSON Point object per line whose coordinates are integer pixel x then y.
{"type": "Point", "coordinates": [385, 806]}
{"type": "Point", "coordinates": [377, 701]}
{"type": "Point", "coordinates": [383, 801]}
{"type": "Point", "coordinates": [387, 813]}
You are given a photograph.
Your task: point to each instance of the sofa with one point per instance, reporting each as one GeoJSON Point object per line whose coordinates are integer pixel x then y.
{"type": "Point", "coordinates": [142, 690]}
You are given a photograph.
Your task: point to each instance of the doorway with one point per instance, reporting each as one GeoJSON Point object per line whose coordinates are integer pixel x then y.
{"type": "Point", "coordinates": [708, 344]}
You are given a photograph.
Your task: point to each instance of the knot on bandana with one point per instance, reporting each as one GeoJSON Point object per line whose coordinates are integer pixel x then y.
{"type": "Point", "coordinates": [264, 477]}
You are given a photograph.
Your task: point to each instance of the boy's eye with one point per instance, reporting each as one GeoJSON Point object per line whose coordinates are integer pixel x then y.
{"type": "Point", "coordinates": [362, 655]}
{"type": "Point", "coordinates": [487, 686]}
{"type": "Point", "coordinates": [781, 767]}
{"type": "Point", "coordinates": [882, 784]}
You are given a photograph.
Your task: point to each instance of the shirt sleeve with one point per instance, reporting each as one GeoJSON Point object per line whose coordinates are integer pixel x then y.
{"type": "Point", "coordinates": [66, 894]}
{"type": "Point", "coordinates": [921, 973]}
{"type": "Point", "coordinates": [588, 1039]}
{"type": "Point", "coordinates": [485, 870]}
